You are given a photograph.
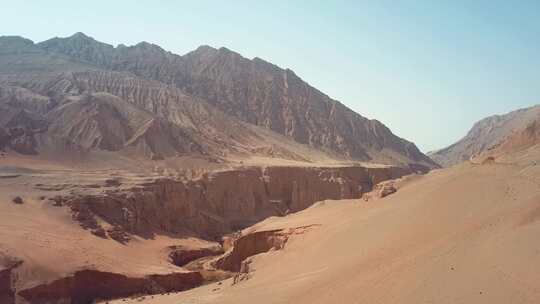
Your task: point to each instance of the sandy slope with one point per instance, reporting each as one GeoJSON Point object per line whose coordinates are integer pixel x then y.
{"type": "Point", "coordinates": [52, 245]}
{"type": "Point", "coordinates": [468, 234]}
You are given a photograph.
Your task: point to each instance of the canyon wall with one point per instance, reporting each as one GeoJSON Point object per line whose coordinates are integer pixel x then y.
{"type": "Point", "coordinates": [7, 294]}
{"type": "Point", "coordinates": [86, 286]}
{"type": "Point", "coordinates": [216, 204]}
{"type": "Point", "coordinates": [7, 278]}
{"type": "Point", "coordinates": [222, 202]}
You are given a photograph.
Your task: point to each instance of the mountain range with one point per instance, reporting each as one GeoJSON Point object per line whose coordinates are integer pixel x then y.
{"type": "Point", "coordinates": [79, 94]}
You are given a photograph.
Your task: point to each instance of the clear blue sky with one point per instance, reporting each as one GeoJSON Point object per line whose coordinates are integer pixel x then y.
{"type": "Point", "coordinates": [427, 69]}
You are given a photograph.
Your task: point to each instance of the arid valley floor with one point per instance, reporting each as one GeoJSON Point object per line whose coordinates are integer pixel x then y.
{"type": "Point", "coordinates": [459, 235]}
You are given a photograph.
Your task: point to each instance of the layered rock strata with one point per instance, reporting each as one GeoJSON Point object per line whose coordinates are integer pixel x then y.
{"type": "Point", "coordinates": [225, 201]}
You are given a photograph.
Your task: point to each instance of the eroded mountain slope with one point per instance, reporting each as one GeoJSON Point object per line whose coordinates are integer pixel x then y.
{"type": "Point", "coordinates": [485, 134]}
{"type": "Point", "coordinates": [254, 91]}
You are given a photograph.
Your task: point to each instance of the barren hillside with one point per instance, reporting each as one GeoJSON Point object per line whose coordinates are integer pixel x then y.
{"type": "Point", "coordinates": [220, 82]}
{"type": "Point", "coordinates": [485, 134]}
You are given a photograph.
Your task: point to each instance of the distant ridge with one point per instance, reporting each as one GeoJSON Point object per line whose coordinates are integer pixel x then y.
{"type": "Point", "coordinates": [485, 134]}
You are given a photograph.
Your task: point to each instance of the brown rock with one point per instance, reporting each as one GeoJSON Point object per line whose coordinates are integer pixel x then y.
{"type": "Point", "coordinates": [85, 286]}
{"type": "Point", "coordinates": [112, 182]}
{"type": "Point", "coordinates": [118, 234]}
{"type": "Point", "coordinates": [181, 256]}
{"type": "Point", "coordinates": [250, 244]}
{"type": "Point", "coordinates": [58, 200]}
{"type": "Point", "coordinates": [488, 160]}
{"type": "Point", "coordinates": [99, 232]}
{"type": "Point", "coordinates": [8, 279]}
{"type": "Point", "coordinates": [387, 190]}
{"type": "Point", "coordinates": [18, 200]}
{"type": "Point", "coordinates": [156, 156]}
{"type": "Point", "coordinates": [25, 144]}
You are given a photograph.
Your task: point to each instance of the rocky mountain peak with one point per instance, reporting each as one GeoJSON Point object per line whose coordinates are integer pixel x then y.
{"type": "Point", "coordinates": [81, 47]}
{"type": "Point", "coordinates": [205, 48]}
{"type": "Point", "coordinates": [78, 39]}
{"type": "Point", "coordinates": [149, 46]}
{"type": "Point", "coordinates": [81, 36]}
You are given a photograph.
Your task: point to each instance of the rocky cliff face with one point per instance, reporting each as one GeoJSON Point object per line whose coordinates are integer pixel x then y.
{"type": "Point", "coordinates": [8, 278]}
{"type": "Point", "coordinates": [485, 134]}
{"type": "Point", "coordinates": [7, 294]}
{"type": "Point", "coordinates": [253, 91]}
{"type": "Point", "coordinates": [223, 202]}
{"type": "Point", "coordinates": [87, 286]}
{"type": "Point", "coordinates": [245, 246]}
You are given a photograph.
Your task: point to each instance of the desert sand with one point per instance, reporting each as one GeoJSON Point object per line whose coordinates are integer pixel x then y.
{"type": "Point", "coordinates": [57, 241]}
{"type": "Point", "coordinates": [467, 234]}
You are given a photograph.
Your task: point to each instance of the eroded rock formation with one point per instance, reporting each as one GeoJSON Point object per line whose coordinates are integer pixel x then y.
{"type": "Point", "coordinates": [226, 201]}
{"type": "Point", "coordinates": [161, 103]}
{"type": "Point", "coordinates": [181, 256]}
{"type": "Point", "coordinates": [8, 278]}
{"type": "Point", "coordinates": [250, 245]}
{"type": "Point", "coordinates": [85, 286]}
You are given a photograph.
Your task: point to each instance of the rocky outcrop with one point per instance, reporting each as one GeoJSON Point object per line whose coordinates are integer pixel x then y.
{"type": "Point", "coordinates": [18, 129]}
{"type": "Point", "coordinates": [247, 244]}
{"type": "Point", "coordinates": [181, 256]}
{"type": "Point", "coordinates": [86, 286]}
{"type": "Point", "coordinates": [250, 245]}
{"type": "Point", "coordinates": [7, 294]}
{"type": "Point", "coordinates": [18, 200]}
{"type": "Point", "coordinates": [8, 278]}
{"type": "Point", "coordinates": [387, 189]}
{"type": "Point", "coordinates": [225, 201]}
{"type": "Point", "coordinates": [21, 119]}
